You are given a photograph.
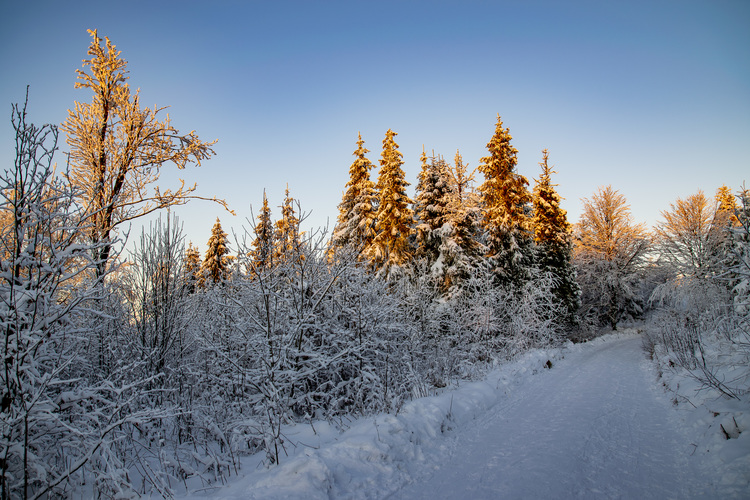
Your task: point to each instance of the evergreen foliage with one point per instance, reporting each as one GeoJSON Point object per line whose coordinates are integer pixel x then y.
{"type": "Point", "coordinates": [357, 210]}
{"type": "Point", "coordinates": [432, 205]}
{"type": "Point", "coordinates": [727, 208]}
{"type": "Point", "coordinates": [192, 269]}
{"type": "Point", "coordinates": [505, 200]}
{"type": "Point", "coordinates": [553, 236]}
{"type": "Point", "coordinates": [394, 219]}
{"type": "Point", "coordinates": [216, 264]}
{"type": "Point", "coordinates": [464, 213]}
{"type": "Point", "coordinates": [262, 252]}
{"type": "Point", "coordinates": [126, 384]}
{"type": "Point", "coordinates": [287, 236]}
{"type": "Point", "coordinates": [168, 388]}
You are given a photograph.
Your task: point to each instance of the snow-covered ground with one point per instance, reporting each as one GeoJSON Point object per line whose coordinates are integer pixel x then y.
{"type": "Point", "coordinates": [597, 424]}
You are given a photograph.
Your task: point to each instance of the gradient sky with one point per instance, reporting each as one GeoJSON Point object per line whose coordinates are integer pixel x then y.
{"type": "Point", "coordinates": [652, 97]}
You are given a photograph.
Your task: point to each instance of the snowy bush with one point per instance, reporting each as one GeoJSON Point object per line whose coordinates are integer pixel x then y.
{"type": "Point", "coordinates": [60, 424]}
{"type": "Point", "coordinates": [702, 323]}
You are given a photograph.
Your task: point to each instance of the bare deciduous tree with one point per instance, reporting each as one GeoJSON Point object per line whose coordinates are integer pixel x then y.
{"type": "Point", "coordinates": [688, 236]}
{"type": "Point", "coordinates": [118, 148]}
{"type": "Point", "coordinates": [610, 249]}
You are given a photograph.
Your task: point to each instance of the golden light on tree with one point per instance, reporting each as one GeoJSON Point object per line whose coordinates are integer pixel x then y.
{"type": "Point", "coordinates": [687, 238]}
{"type": "Point", "coordinates": [505, 199]}
{"type": "Point", "coordinates": [610, 251]}
{"type": "Point", "coordinates": [394, 217]}
{"type": "Point", "coordinates": [357, 210]}
{"type": "Point", "coordinates": [606, 228]}
{"type": "Point", "coordinates": [726, 210]}
{"type": "Point", "coordinates": [550, 221]}
{"type": "Point", "coordinates": [118, 148]}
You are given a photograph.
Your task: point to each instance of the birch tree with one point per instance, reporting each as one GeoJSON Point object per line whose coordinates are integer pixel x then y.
{"type": "Point", "coordinates": [117, 149]}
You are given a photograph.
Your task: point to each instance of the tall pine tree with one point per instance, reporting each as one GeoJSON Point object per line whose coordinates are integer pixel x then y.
{"type": "Point", "coordinates": [553, 236]}
{"type": "Point", "coordinates": [394, 218]}
{"type": "Point", "coordinates": [460, 251]}
{"type": "Point", "coordinates": [357, 210]}
{"type": "Point", "coordinates": [505, 199]}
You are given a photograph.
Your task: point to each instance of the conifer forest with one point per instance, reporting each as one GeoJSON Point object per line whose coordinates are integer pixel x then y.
{"type": "Point", "coordinates": [145, 368]}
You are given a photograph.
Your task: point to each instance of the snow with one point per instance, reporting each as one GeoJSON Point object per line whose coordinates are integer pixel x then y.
{"type": "Point", "coordinates": [715, 423]}
{"type": "Point", "coordinates": [597, 424]}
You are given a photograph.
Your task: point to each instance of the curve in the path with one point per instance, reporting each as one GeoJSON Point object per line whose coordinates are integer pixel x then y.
{"type": "Point", "coordinates": [594, 426]}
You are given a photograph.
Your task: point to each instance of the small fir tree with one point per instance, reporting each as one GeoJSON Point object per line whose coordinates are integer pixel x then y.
{"type": "Point", "coordinates": [505, 199]}
{"type": "Point", "coordinates": [261, 255]}
{"type": "Point", "coordinates": [357, 210]}
{"type": "Point", "coordinates": [394, 218]}
{"type": "Point", "coordinates": [287, 237]}
{"type": "Point", "coordinates": [726, 211]}
{"type": "Point", "coordinates": [192, 267]}
{"type": "Point", "coordinates": [552, 233]}
{"type": "Point", "coordinates": [461, 181]}
{"type": "Point", "coordinates": [215, 268]}
{"type": "Point", "coordinates": [463, 209]}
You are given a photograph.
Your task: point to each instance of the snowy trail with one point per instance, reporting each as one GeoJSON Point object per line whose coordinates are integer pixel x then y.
{"type": "Point", "coordinates": [594, 426]}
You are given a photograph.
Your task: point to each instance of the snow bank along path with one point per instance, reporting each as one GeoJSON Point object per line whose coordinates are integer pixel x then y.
{"type": "Point", "coordinates": [594, 426]}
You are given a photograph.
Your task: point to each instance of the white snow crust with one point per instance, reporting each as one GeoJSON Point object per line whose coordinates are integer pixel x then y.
{"type": "Point", "coordinates": [597, 424]}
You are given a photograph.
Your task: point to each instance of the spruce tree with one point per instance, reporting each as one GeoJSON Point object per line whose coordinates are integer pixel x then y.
{"type": "Point", "coordinates": [432, 205]}
{"type": "Point", "coordinates": [726, 208]}
{"type": "Point", "coordinates": [723, 229]}
{"type": "Point", "coordinates": [357, 210]}
{"type": "Point", "coordinates": [552, 233]}
{"type": "Point", "coordinates": [463, 208]}
{"type": "Point", "coordinates": [287, 236]}
{"type": "Point", "coordinates": [192, 267]}
{"type": "Point", "coordinates": [262, 253]}
{"type": "Point", "coordinates": [460, 251]}
{"type": "Point", "coordinates": [394, 218]}
{"type": "Point", "coordinates": [215, 268]}
{"type": "Point", "coordinates": [505, 199]}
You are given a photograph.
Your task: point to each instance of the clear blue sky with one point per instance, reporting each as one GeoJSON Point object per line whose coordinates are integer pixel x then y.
{"type": "Point", "coordinates": [652, 97]}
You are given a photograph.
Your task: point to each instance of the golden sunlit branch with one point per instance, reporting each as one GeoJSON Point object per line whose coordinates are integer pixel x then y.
{"type": "Point", "coordinates": [118, 149]}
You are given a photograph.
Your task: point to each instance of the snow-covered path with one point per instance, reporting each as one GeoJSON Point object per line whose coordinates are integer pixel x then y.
{"type": "Point", "coordinates": [594, 426]}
